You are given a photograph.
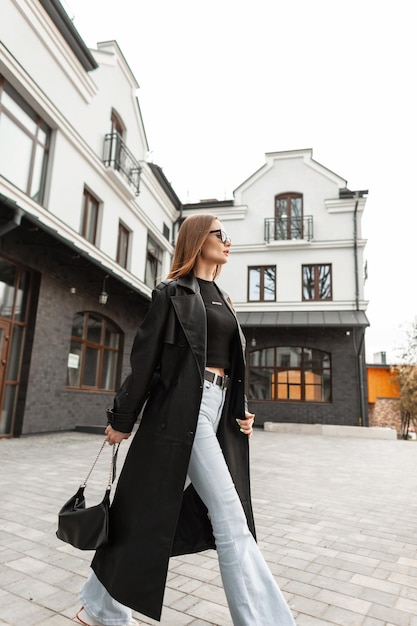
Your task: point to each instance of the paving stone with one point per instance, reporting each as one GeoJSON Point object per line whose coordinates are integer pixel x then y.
{"type": "Point", "coordinates": [333, 516]}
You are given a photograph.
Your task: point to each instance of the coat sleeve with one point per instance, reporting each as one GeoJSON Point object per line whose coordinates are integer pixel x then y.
{"type": "Point", "coordinates": [144, 360]}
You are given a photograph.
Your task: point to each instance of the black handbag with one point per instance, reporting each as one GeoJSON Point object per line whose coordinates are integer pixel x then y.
{"type": "Point", "coordinates": [87, 528]}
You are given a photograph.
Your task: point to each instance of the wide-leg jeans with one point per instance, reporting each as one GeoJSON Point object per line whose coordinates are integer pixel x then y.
{"type": "Point", "coordinates": [253, 596]}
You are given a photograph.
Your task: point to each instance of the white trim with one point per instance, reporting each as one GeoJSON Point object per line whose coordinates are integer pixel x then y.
{"type": "Point", "coordinates": [52, 222]}
{"type": "Point", "coordinates": [296, 305]}
{"type": "Point", "coordinates": [49, 37]}
{"type": "Point", "coordinates": [344, 205]}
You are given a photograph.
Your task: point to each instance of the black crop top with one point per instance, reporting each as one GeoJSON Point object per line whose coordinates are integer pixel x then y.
{"type": "Point", "coordinates": [221, 325]}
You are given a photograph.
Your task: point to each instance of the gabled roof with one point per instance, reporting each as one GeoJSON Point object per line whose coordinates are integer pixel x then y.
{"type": "Point", "coordinates": [306, 154]}
{"type": "Point", "coordinates": [165, 184]}
{"type": "Point", "coordinates": [60, 18]}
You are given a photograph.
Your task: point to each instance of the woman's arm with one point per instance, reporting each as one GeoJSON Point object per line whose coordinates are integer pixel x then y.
{"type": "Point", "coordinates": [144, 359]}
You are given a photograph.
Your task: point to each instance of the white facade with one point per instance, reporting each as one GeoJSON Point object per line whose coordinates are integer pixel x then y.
{"type": "Point", "coordinates": [295, 275]}
{"type": "Point", "coordinates": [77, 105]}
{"type": "Point", "coordinates": [86, 223]}
{"type": "Point", "coordinates": [333, 226]}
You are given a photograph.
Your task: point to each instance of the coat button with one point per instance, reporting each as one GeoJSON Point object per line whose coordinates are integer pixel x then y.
{"type": "Point", "coordinates": [163, 425]}
{"type": "Point", "coordinates": [191, 433]}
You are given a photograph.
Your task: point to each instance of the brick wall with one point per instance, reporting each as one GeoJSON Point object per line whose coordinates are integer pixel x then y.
{"type": "Point", "coordinates": [386, 412]}
{"type": "Point", "coordinates": [344, 408]}
{"type": "Point", "coordinates": [45, 403]}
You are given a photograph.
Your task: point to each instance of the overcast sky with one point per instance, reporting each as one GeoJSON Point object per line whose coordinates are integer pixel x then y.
{"type": "Point", "coordinates": [222, 82]}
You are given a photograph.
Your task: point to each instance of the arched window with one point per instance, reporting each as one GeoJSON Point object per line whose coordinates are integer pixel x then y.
{"type": "Point", "coordinates": [290, 374]}
{"type": "Point", "coordinates": [117, 125]}
{"type": "Point", "coordinates": [289, 216]}
{"type": "Point", "coordinates": [94, 353]}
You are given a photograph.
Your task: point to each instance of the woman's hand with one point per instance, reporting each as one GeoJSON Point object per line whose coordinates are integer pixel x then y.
{"type": "Point", "coordinates": [115, 436]}
{"type": "Point", "coordinates": [246, 425]}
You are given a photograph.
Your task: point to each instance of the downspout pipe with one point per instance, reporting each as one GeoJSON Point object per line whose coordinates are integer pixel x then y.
{"type": "Point", "coordinates": [363, 417]}
{"type": "Point", "coordinates": [355, 250]}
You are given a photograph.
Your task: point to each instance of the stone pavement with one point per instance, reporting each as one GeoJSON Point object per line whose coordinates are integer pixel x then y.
{"type": "Point", "coordinates": [336, 521]}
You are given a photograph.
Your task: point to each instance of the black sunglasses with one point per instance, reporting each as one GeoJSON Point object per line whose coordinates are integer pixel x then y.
{"type": "Point", "coordinates": [220, 234]}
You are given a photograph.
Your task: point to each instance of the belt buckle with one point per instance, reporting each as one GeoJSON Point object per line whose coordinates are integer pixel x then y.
{"type": "Point", "coordinates": [225, 381]}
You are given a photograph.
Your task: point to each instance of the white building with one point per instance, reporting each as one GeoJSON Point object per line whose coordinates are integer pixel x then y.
{"type": "Point", "coordinates": [86, 223]}
{"type": "Point", "coordinates": [87, 228]}
{"type": "Point", "coordinates": [295, 276]}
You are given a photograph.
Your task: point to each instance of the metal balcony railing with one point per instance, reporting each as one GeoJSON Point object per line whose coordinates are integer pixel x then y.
{"type": "Point", "coordinates": [285, 228]}
{"type": "Point", "coordinates": [117, 156]}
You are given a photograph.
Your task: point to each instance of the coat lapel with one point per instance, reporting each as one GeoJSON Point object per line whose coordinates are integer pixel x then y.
{"type": "Point", "coordinates": [191, 314]}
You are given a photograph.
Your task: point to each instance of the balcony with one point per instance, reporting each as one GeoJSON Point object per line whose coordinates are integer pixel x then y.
{"type": "Point", "coordinates": [286, 228]}
{"type": "Point", "coordinates": [118, 157]}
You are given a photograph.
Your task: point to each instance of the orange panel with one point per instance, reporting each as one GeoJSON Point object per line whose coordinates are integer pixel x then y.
{"type": "Point", "coordinates": [382, 383]}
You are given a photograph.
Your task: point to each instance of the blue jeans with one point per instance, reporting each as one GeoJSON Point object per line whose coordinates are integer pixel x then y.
{"type": "Point", "coordinates": [252, 594]}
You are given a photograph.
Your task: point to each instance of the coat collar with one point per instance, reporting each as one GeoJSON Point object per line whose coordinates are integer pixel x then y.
{"type": "Point", "coordinates": [190, 282]}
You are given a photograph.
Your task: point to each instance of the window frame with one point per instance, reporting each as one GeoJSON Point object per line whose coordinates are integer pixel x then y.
{"type": "Point", "coordinates": [117, 125]}
{"type": "Point", "coordinates": [41, 126]}
{"type": "Point", "coordinates": [101, 347]}
{"type": "Point", "coordinates": [262, 269]}
{"type": "Point", "coordinates": [317, 296]}
{"type": "Point", "coordinates": [89, 199]}
{"type": "Point", "coordinates": [305, 382]}
{"type": "Point", "coordinates": [122, 253]}
{"type": "Point", "coordinates": [288, 220]}
{"type": "Point", "coordinates": [154, 258]}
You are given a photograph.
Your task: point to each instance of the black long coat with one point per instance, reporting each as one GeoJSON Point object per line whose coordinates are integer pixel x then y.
{"type": "Point", "coordinates": [152, 518]}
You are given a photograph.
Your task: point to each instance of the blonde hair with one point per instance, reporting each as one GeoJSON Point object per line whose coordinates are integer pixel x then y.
{"type": "Point", "coordinates": [191, 236]}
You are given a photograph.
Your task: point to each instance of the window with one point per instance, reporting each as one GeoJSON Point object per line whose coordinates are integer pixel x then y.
{"type": "Point", "coordinates": [117, 125]}
{"type": "Point", "coordinates": [290, 374]}
{"type": "Point", "coordinates": [261, 284]}
{"type": "Point", "coordinates": [165, 231]}
{"type": "Point", "coordinates": [90, 217]}
{"type": "Point", "coordinates": [117, 155]}
{"type": "Point", "coordinates": [24, 143]}
{"type": "Point", "coordinates": [94, 353]}
{"type": "Point", "coordinates": [123, 245]}
{"type": "Point", "coordinates": [317, 282]}
{"type": "Point", "coordinates": [153, 263]}
{"type": "Point", "coordinates": [289, 216]}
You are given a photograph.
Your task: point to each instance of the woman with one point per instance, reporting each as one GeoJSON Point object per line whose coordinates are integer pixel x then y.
{"type": "Point", "coordinates": [184, 486]}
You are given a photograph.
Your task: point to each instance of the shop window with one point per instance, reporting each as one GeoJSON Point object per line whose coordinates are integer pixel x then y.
{"type": "Point", "coordinates": [317, 282]}
{"type": "Point", "coordinates": [153, 263]}
{"type": "Point", "coordinates": [24, 143]}
{"type": "Point", "coordinates": [90, 217]}
{"type": "Point", "coordinates": [297, 374]}
{"type": "Point", "coordinates": [94, 354]}
{"type": "Point", "coordinates": [262, 284]}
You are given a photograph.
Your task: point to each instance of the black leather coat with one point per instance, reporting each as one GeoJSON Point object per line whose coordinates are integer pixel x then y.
{"type": "Point", "coordinates": [152, 518]}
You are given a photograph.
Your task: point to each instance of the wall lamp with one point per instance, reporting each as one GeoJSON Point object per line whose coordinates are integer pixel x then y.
{"type": "Point", "coordinates": [103, 297]}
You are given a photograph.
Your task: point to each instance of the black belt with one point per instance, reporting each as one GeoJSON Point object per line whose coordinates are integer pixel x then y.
{"type": "Point", "coordinates": [212, 377]}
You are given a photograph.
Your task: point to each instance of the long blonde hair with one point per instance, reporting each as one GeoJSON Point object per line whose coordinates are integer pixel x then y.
{"type": "Point", "coordinates": [191, 236]}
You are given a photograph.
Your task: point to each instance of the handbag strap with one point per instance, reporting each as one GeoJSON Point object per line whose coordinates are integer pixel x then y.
{"type": "Point", "coordinates": [112, 473]}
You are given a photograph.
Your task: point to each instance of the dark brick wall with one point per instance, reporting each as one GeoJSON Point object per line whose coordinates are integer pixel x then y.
{"type": "Point", "coordinates": [345, 408]}
{"type": "Point", "coordinates": [44, 402]}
